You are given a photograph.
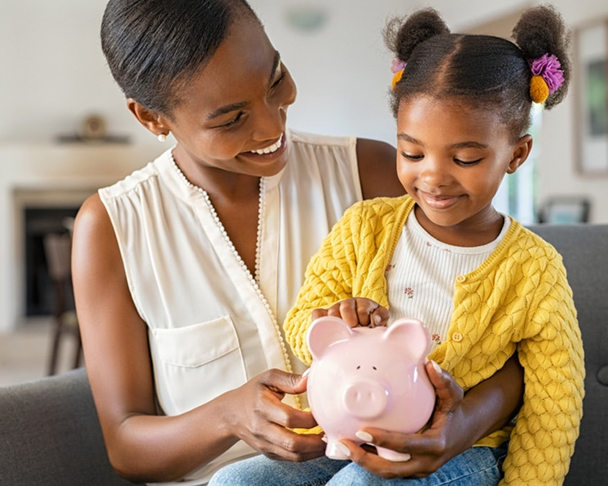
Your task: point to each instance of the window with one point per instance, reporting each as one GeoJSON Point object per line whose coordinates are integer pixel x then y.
{"type": "Point", "coordinates": [517, 194]}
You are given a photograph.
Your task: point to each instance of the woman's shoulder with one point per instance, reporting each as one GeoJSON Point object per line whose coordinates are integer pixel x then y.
{"type": "Point", "coordinates": [373, 162]}
{"type": "Point", "coordinates": [135, 179]}
{"type": "Point", "coordinates": [303, 138]}
{"type": "Point", "coordinates": [378, 169]}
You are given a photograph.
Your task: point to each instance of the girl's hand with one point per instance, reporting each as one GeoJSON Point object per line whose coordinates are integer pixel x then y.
{"type": "Point", "coordinates": [446, 437]}
{"type": "Point", "coordinates": [257, 415]}
{"type": "Point", "coordinates": [356, 311]}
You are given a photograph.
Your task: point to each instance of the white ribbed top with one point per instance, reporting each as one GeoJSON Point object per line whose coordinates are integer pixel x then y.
{"type": "Point", "coordinates": [422, 273]}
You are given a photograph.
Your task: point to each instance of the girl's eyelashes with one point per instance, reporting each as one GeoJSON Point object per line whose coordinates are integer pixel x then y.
{"type": "Point", "coordinates": [412, 157]}
{"type": "Point", "coordinates": [466, 163]}
{"type": "Point", "coordinates": [463, 163]}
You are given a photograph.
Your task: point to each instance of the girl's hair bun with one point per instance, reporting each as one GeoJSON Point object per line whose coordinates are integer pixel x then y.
{"type": "Point", "coordinates": [403, 35]}
{"type": "Point", "coordinates": [541, 31]}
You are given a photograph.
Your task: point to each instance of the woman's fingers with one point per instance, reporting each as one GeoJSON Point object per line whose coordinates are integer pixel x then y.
{"type": "Point", "coordinates": [263, 421]}
{"type": "Point", "coordinates": [449, 393]}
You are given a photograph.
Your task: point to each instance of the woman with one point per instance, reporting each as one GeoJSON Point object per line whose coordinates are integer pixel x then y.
{"type": "Point", "coordinates": [184, 271]}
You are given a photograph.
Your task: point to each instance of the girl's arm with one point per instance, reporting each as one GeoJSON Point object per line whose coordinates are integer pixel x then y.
{"type": "Point", "coordinates": [142, 445]}
{"type": "Point", "coordinates": [552, 356]}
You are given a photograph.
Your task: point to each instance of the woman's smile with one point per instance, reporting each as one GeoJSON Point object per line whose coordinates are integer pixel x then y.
{"type": "Point", "coordinates": [275, 153]}
{"type": "Point", "coordinates": [271, 148]}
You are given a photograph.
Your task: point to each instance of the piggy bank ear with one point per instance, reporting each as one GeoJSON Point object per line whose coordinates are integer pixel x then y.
{"type": "Point", "coordinates": [414, 336]}
{"type": "Point", "coordinates": [324, 332]}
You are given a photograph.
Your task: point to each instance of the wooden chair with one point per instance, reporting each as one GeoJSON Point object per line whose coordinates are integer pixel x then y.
{"type": "Point", "coordinates": [57, 249]}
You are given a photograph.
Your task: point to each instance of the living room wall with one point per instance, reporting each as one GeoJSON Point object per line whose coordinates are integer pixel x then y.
{"type": "Point", "coordinates": [54, 74]}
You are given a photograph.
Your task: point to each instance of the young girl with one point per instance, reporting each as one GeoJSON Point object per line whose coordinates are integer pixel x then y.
{"type": "Point", "coordinates": [486, 287]}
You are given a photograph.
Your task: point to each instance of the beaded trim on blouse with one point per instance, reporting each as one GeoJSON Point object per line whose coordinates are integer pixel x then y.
{"type": "Point", "coordinates": [253, 279]}
{"type": "Point", "coordinates": [217, 220]}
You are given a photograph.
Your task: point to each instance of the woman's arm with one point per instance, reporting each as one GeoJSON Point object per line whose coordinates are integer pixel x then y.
{"type": "Point", "coordinates": [141, 444]}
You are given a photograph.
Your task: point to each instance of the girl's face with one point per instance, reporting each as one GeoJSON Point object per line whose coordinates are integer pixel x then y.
{"type": "Point", "coordinates": [231, 115]}
{"type": "Point", "coordinates": [451, 160]}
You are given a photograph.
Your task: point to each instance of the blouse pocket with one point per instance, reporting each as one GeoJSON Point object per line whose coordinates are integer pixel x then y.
{"type": "Point", "coordinates": [195, 364]}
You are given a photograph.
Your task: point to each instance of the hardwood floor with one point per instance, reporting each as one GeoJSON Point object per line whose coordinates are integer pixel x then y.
{"type": "Point", "coordinates": [25, 352]}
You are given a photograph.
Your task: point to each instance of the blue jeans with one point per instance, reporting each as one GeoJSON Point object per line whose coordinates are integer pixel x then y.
{"type": "Point", "coordinates": [478, 466]}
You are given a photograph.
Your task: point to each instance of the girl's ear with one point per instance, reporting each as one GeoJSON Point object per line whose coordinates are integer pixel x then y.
{"type": "Point", "coordinates": [152, 120]}
{"type": "Point", "coordinates": [522, 149]}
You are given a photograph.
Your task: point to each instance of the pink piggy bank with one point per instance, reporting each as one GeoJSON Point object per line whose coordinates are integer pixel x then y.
{"type": "Point", "coordinates": [368, 377]}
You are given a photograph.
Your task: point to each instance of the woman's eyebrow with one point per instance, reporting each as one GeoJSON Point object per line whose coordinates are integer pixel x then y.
{"type": "Point", "coordinates": [276, 63]}
{"type": "Point", "coordinates": [226, 109]}
{"type": "Point", "coordinates": [239, 106]}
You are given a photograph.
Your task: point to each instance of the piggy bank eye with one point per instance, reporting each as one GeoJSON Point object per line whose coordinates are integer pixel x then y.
{"type": "Point", "coordinates": [359, 367]}
{"type": "Point", "coordinates": [374, 368]}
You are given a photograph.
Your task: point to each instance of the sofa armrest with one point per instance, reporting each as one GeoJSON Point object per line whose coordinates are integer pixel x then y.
{"type": "Point", "coordinates": [584, 249]}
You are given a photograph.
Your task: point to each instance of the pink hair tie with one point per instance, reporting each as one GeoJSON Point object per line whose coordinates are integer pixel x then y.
{"type": "Point", "coordinates": [547, 77]}
{"type": "Point", "coordinates": [398, 65]}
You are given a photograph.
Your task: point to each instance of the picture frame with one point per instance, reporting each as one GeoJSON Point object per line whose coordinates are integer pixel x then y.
{"type": "Point", "coordinates": [565, 210]}
{"type": "Point", "coordinates": [591, 67]}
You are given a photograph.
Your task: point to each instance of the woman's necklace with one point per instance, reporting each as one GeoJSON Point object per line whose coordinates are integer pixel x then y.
{"type": "Point", "coordinates": [253, 279]}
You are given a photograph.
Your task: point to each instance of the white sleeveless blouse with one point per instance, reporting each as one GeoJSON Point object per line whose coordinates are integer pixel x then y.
{"type": "Point", "coordinates": [211, 326]}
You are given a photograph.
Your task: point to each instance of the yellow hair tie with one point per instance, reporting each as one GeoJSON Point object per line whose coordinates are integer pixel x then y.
{"type": "Point", "coordinates": [396, 78]}
{"type": "Point", "coordinates": [539, 90]}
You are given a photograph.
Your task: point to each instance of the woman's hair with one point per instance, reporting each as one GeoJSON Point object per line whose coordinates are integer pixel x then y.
{"type": "Point", "coordinates": [154, 46]}
{"type": "Point", "coordinates": [480, 71]}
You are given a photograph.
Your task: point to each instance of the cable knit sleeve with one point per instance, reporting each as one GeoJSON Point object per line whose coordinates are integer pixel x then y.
{"type": "Point", "coordinates": [551, 353]}
{"type": "Point", "coordinates": [328, 279]}
{"type": "Point", "coordinates": [350, 263]}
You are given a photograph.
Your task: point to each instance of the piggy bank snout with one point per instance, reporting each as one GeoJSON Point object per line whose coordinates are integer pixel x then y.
{"type": "Point", "coordinates": [365, 398]}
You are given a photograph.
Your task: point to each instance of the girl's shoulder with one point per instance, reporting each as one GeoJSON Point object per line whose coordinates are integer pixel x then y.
{"type": "Point", "coordinates": [377, 215]}
{"type": "Point", "coordinates": [528, 244]}
{"type": "Point", "coordinates": [382, 206]}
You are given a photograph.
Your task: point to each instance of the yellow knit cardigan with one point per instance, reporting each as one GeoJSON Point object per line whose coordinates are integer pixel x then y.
{"type": "Point", "coordinates": [518, 300]}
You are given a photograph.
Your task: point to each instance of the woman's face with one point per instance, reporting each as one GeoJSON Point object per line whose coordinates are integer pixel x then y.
{"type": "Point", "coordinates": [451, 161]}
{"type": "Point", "coordinates": [231, 115]}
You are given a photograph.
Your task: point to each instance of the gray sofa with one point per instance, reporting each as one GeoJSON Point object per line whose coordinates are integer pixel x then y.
{"type": "Point", "coordinates": [50, 435]}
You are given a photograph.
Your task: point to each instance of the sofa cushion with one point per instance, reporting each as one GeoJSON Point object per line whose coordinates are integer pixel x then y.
{"type": "Point", "coordinates": [50, 434]}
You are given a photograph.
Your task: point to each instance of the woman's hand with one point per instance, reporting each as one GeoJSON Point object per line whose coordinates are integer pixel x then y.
{"type": "Point", "coordinates": [356, 311]}
{"type": "Point", "coordinates": [257, 415]}
{"type": "Point", "coordinates": [445, 437]}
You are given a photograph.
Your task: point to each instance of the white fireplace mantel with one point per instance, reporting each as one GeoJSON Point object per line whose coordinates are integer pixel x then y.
{"type": "Point", "coordinates": [51, 175]}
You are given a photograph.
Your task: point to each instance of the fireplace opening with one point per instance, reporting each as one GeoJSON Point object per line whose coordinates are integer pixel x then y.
{"type": "Point", "coordinates": [40, 293]}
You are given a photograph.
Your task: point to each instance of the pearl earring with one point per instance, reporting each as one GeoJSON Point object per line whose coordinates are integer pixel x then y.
{"type": "Point", "coordinates": [162, 137]}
